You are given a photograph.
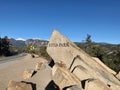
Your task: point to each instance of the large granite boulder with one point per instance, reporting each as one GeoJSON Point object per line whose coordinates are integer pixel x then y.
{"type": "Point", "coordinates": [62, 49]}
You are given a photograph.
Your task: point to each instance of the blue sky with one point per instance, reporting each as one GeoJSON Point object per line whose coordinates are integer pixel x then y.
{"type": "Point", "coordinates": [73, 18]}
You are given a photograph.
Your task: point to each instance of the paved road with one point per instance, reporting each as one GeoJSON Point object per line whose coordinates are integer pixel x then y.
{"type": "Point", "coordinates": [13, 58]}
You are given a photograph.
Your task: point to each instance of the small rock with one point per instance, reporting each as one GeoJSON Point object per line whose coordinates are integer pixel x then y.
{"type": "Point", "coordinates": [38, 66]}
{"type": "Point", "coordinates": [28, 73]}
{"type": "Point", "coordinates": [13, 85]}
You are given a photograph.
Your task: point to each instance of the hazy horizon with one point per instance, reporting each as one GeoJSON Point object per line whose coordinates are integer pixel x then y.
{"type": "Point", "coordinates": [83, 41]}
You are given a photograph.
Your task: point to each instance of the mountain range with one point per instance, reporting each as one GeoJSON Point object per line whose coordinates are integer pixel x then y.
{"type": "Point", "coordinates": [39, 43]}
{"type": "Point", "coordinates": [35, 42]}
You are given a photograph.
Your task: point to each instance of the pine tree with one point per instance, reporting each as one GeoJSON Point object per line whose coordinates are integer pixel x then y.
{"type": "Point", "coordinates": [5, 46]}
{"type": "Point", "coordinates": [88, 42]}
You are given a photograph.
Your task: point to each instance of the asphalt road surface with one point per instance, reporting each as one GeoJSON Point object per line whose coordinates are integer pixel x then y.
{"type": "Point", "coordinates": [12, 58]}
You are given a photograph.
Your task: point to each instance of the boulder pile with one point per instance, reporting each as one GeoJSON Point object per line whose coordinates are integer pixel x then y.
{"type": "Point", "coordinates": [27, 74]}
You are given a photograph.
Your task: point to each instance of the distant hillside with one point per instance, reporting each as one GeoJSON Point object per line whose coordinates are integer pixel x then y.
{"type": "Point", "coordinates": [35, 42]}
{"type": "Point", "coordinates": [107, 47]}
{"type": "Point", "coordinates": [107, 53]}
{"type": "Point", "coordinates": [17, 43]}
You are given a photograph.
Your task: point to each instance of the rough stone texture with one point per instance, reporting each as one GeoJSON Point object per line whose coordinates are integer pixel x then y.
{"type": "Point", "coordinates": [104, 66]}
{"type": "Point", "coordinates": [115, 87]}
{"type": "Point", "coordinates": [118, 75]}
{"type": "Point", "coordinates": [64, 78]}
{"type": "Point", "coordinates": [74, 88]}
{"type": "Point", "coordinates": [61, 64]}
{"type": "Point", "coordinates": [28, 74]}
{"type": "Point", "coordinates": [13, 85]}
{"type": "Point", "coordinates": [95, 85]}
{"type": "Point", "coordinates": [62, 49]}
{"type": "Point", "coordinates": [81, 72]}
{"type": "Point", "coordinates": [38, 66]}
{"type": "Point", "coordinates": [54, 69]}
{"type": "Point", "coordinates": [58, 64]}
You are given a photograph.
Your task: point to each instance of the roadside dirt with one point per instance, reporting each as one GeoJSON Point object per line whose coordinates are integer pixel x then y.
{"type": "Point", "coordinates": [13, 71]}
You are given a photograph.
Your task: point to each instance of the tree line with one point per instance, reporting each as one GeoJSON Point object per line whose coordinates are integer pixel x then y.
{"type": "Point", "coordinates": [5, 47]}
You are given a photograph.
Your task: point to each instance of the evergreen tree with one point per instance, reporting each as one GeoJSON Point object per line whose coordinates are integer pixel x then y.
{"type": "Point", "coordinates": [88, 39]}
{"type": "Point", "coordinates": [5, 46]}
{"type": "Point", "coordinates": [88, 43]}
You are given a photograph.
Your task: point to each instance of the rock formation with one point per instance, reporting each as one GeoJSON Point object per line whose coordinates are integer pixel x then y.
{"type": "Point", "coordinates": [70, 69]}
{"type": "Point", "coordinates": [80, 63]}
